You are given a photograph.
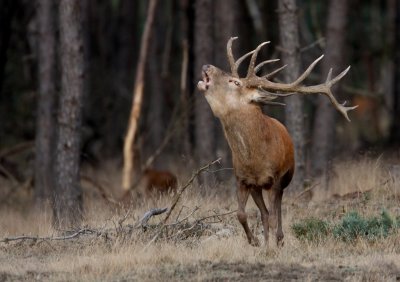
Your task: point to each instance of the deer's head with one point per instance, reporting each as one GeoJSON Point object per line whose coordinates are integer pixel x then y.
{"type": "Point", "coordinates": [227, 91]}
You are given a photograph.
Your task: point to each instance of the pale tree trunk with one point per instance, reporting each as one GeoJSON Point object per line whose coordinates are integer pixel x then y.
{"type": "Point", "coordinates": [137, 100]}
{"type": "Point", "coordinates": [204, 120]}
{"type": "Point", "coordinates": [45, 123]}
{"type": "Point", "coordinates": [323, 138]}
{"type": "Point", "coordinates": [68, 193]}
{"type": "Point", "coordinates": [294, 117]}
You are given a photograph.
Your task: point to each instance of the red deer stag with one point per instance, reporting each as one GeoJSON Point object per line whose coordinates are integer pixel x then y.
{"type": "Point", "coordinates": [262, 150]}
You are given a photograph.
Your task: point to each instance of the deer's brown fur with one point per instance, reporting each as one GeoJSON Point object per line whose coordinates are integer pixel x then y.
{"type": "Point", "coordinates": [262, 150]}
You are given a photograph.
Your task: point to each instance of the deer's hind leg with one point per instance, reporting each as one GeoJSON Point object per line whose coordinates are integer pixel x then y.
{"type": "Point", "coordinates": [275, 200]}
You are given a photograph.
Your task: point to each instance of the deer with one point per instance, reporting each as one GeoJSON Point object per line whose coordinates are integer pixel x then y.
{"type": "Point", "coordinates": [261, 147]}
{"type": "Point", "coordinates": [153, 183]}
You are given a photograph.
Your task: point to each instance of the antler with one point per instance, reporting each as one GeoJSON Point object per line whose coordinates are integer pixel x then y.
{"type": "Point", "coordinates": [252, 80]}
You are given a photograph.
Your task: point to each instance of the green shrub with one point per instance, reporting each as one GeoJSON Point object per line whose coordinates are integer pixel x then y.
{"type": "Point", "coordinates": [311, 229]}
{"type": "Point", "coordinates": [354, 226]}
{"type": "Point", "coordinates": [351, 227]}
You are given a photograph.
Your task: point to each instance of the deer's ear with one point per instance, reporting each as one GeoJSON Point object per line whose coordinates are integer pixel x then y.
{"type": "Point", "coordinates": [264, 98]}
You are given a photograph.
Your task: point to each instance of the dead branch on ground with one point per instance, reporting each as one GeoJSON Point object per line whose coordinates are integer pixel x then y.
{"type": "Point", "coordinates": [178, 196]}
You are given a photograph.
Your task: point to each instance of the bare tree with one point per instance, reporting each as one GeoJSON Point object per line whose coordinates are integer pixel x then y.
{"type": "Point", "coordinates": [45, 123]}
{"type": "Point", "coordinates": [324, 122]}
{"type": "Point", "coordinates": [203, 49]}
{"type": "Point", "coordinates": [68, 194]}
{"type": "Point", "coordinates": [137, 99]}
{"type": "Point", "coordinates": [289, 38]}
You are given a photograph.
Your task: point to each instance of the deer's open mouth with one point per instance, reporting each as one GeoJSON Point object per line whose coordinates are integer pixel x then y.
{"type": "Point", "coordinates": [203, 85]}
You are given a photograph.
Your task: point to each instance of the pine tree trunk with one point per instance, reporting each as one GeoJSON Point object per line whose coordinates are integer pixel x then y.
{"type": "Point", "coordinates": [45, 123]}
{"type": "Point", "coordinates": [68, 194]}
{"type": "Point", "coordinates": [289, 38]}
{"type": "Point", "coordinates": [324, 122]}
{"type": "Point", "coordinates": [224, 28]}
{"type": "Point", "coordinates": [205, 125]}
{"type": "Point", "coordinates": [395, 128]}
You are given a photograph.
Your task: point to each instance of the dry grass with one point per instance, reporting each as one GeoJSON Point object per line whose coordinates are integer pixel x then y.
{"type": "Point", "coordinates": [221, 252]}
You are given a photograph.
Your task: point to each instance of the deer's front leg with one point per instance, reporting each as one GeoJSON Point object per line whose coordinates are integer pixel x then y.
{"type": "Point", "coordinates": [242, 196]}
{"type": "Point", "coordinates": [257, 195]}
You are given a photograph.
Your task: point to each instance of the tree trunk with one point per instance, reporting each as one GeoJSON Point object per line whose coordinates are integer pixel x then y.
{"type": "Point", "coordinates": [289, 38]}
{"type": "Point", "coordinates": [45, 123]}
{"type": "Point", "coordinates": [324, 121]}
{"type": "Point", "coordinates": [184, 132]}
{"type": "Point", "coordinates": [204, 120]}
{"type": "Point", "coordinates": [137, 100]}
{"type": "Point", "coordinates": [68, 194]}
{"type": "Point", "coordinates": [7, 11]}
{"type": "Point", "coordinates": [395, 129]}
{"type": "Point", "coordinates": [224, 28]}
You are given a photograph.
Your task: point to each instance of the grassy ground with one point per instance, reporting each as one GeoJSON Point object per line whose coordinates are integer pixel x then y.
{"type": "Point", "coordinates": [214, 248]}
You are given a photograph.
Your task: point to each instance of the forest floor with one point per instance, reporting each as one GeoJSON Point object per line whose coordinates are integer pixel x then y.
{"type": "Point", "coordinates": [203, 239]}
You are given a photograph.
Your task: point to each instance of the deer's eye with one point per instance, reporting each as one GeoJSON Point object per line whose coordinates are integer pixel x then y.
{"type": "Point", "coordinates": [237, 83]}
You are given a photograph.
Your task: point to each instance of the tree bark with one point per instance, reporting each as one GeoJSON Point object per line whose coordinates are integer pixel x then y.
{"type": "Point", "coordinates": [45, 123]}
{"type": "Point", "coordinates": [395, 128]}
{"type": "Point", "coordinates": [323, 139]}
{"type": "Point", "coordinates": [137, 100]}
{"type": "Point", "coordinates": [184, 133]}
{"type": "Point", "coordinates": [68, 194]}
{"type": "Point", "coordinates": [204, 120]}
{"type": "Point", "coordinates": [7, 12]}
{"type": "Point", "coordinates": [224, 28]}
{"type": "Point", "coordinates": [294, 117]}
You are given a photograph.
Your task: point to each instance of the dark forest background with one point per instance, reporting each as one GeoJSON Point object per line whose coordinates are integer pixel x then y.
{"type": "Point", "coordinates": [67, 72]}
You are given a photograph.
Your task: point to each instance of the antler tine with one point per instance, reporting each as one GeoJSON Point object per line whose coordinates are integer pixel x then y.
{"type": "Point", "coordinates": [338, 77]}
{"type": "Point", "coordinates": [231, 59]}
{"type": "Point", "coordinates": [323, 88]}
{"type": "Point", "coordinates": [241, 59]}
{"type": "Point", "coordinates": [307, 71]}
{"type": "Point", "coordinates": [250, 70]}
{"type": "Point", "coordinates": [274, 72]}
{"type": "Point", "coordinates": [260, 65]}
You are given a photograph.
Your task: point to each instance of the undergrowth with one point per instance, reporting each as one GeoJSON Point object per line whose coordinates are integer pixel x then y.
{"type": "Point", "coordinates": [351, 227]}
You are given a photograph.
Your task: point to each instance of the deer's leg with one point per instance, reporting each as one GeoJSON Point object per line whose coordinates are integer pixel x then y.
{"type": "Point", "coordinates": [259, 200]}
{"type": "Point", "coordinates": [275, 199]}
{"type": "Point", "coordinates": [242, 196]}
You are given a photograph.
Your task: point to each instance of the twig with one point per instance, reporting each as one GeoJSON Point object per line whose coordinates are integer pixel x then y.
{"type": "Point", "coordinates": [37, 238]}
{"type": "Point", "coordinates": [178, 196]}
{"type": "Point", "coordinates": [216, 215]}
{"type": "Point", "coordinates": [185, 218]}
{"type": "Point", "coordinates": [305, 191]}
{"type": "Point", "coordinates": [16, 149]}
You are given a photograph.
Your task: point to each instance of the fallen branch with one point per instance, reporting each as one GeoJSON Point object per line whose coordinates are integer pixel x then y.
{"type": "Point", "coordinates": [50, 238]}
{"type": "Point", "coordinates": [178, 196]}
{"type": "Point", "coordinates": [146, 217]}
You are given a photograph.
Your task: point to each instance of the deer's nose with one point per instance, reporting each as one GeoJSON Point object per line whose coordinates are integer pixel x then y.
{"type": "Point", "coordinates": [206, 67]}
